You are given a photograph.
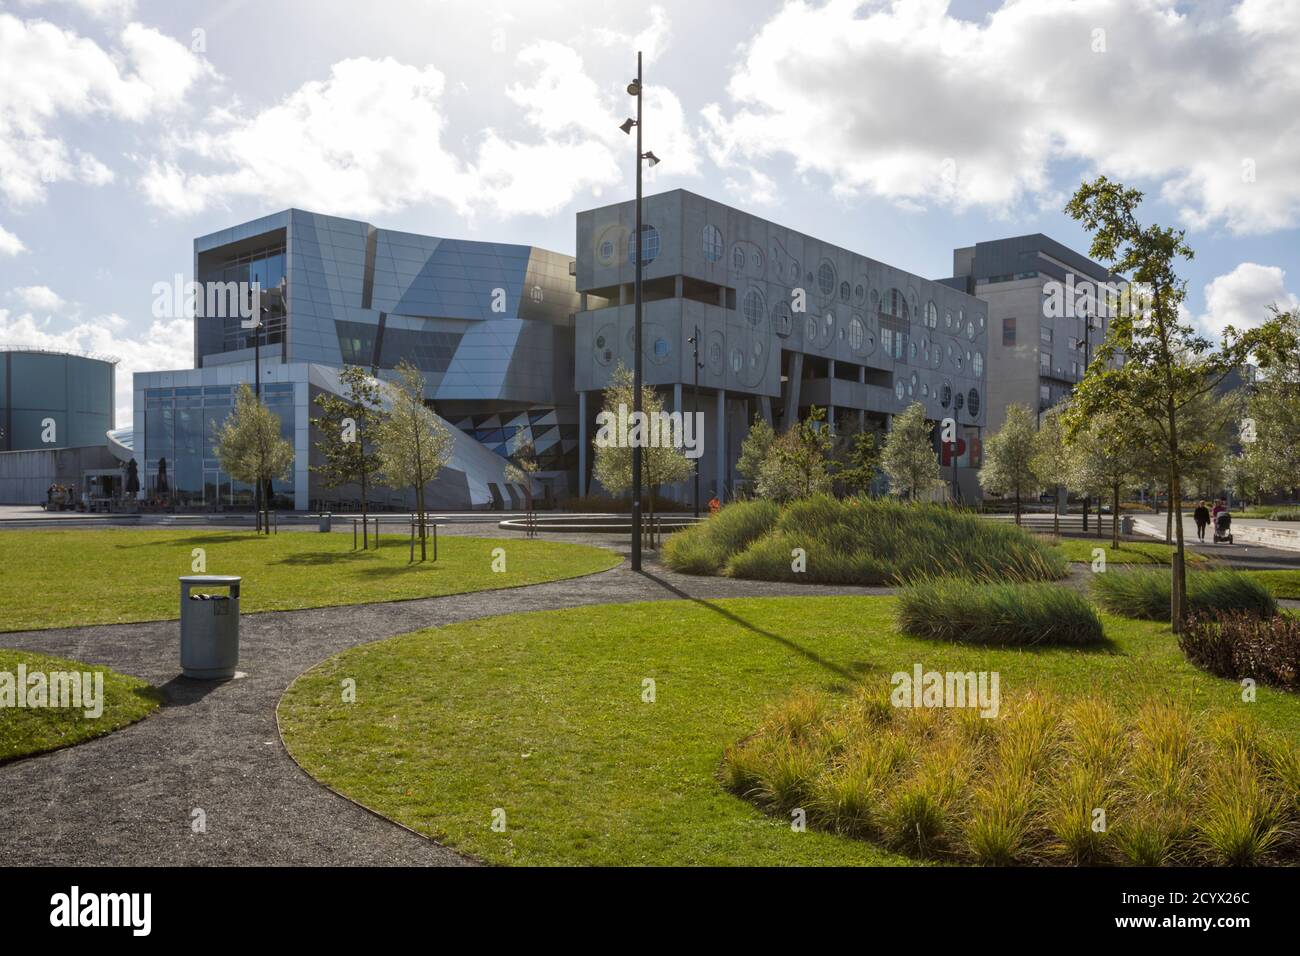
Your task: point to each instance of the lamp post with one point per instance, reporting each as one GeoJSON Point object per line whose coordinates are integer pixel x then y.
{"type": "Point", "coordinates": [634, 89]}
{"type": "Point", "coordinates": [258, 310]}
{"type": "Point", "coordinates": [695, 403]}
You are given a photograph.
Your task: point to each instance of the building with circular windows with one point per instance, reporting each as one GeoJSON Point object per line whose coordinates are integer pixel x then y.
{"type": "Point", "coordinates": [781, 322]}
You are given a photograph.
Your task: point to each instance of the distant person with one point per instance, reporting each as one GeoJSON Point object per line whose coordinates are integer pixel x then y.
{"type": "Point", "coordinates": [714, 505]}
{"type": "Point", "coordinates": [1219, 508]}
{"type": "Point", "coordinates": [1202, 518]}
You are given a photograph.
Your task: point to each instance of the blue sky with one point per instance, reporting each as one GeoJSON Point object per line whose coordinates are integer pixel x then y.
{"type": "Point", "coordinates": [898, 129]}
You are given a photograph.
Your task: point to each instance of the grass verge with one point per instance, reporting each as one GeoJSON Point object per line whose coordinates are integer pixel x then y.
{"type": "Point", "coordinates": [1145, 594]}
{"type": "Point", "coordinates": [25, 731]}
{"type": "Point", "coordinates": [978, 612]}
{"type": "Point", "coordinates": [543, 716]}
{"type": "Point", "coordinates": [857, 541]}
{"type": "Point", "coordinates": [1129, 552]}
{"type": "Point", "coordinates": [1167, 786]}
{"type": "Point", "coordinates": [113, 575]}
{"type": "Point", "coordinates": [1283, 584]}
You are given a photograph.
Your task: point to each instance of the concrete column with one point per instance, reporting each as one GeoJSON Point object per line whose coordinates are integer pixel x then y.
{"type": "Point", "coordinates": [765, 408]}
{"type": "Point", "coordinates": [582, 444]}
{"type": "Point", "coordinates": [679, 489]}
{"type": "Point", "coordinates": [720, 452]}
{"type": "Point", "coordinates": [792, 389]}
{"type": "Point", "coordinates": [862, 419]}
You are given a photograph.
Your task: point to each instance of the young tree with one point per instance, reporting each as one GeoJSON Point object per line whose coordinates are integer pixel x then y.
{"type": "Point", "coordinates": [520, 471]}
{"type": "Point", "coordinates": [249, 447]}
{"type": "Point", "coordinates": [797, 461]}
{"type": "Point", "coordinates": [1166, 365]}
{"type": "Point", "coordinates": [908, 458]}
{"type": "Point", "coordinates": [754, 450]}
{"type": "Point", "coordinates": [858, 461]}
{"type": "Point", "coordinates": [412, 444]}
{"type": "Point", "coordinates": [346, 425]}
{"type": "Point", "coordinates": [1109, 453]}
{"type": "Point", "coordinates": [661, 464]}
{"type": "Point", "coordinates": [1009, 457]}
{"type": "Point", "coordinates": [1052, 462]}
{"type": "Point", "coordinates": [1270, 432]}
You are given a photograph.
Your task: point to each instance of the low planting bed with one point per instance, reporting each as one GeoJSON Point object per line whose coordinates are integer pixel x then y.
{"type": "Point", "coordinates": [982, 612]}
{"type": "Point", "coordinates": [857, 541]}
{"type": "Point", "coordinates": [1145, 594]}
{"type": "Point", "coordinates": [53, 723]}
{"type": "Point", "coordinates": [1046, 782]}
{"type": "Point", "coordinates": [1245, 645]}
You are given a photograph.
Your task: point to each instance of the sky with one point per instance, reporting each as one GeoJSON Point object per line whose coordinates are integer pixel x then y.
{"type": "Point", "coordinates": [900, 129]}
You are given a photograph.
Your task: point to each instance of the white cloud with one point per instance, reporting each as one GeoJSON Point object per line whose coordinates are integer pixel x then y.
{"type": "Point", "coordinates": [369, 139]}
{"type": "Point", "coordinates": [99, 9]}
{"type": "Point", "coordinates": [10, 245]}
{"type": "Point", "coordinates": [904, 101]}
{"type": "Point", "coordinates": [1242, 297]}
{"type": "Point", "coordinates": [651, 41]}
{"type": "Point", "coordinates": [48, 74]}
{"type": "Point", "coordinates": [39, 297]}
{"type": "Point", "coordinates": [166, 344]}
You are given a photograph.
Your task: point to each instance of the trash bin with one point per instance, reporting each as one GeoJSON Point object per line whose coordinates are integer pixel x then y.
{"type": "Point", "coordinates": [209, 627]}
{"type": "Point", "coordinates": [325, 518]}
{"type": "Point", "coordinates": [1125, 525]}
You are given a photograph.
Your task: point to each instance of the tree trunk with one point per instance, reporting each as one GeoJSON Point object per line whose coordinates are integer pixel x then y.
{"type": "Point", "coordinates": [1017, 506]}
{"type": "Point", "coordinates": [1114, 517]}
{"type": "Point", "coordinates": [1056, 513]}
{"type": "Point", "coordinates": [1169, 516]}
{"type": "Point", "coordinates": [365, 541]}
{"type": "Point", "coordinates": [1178, 595]}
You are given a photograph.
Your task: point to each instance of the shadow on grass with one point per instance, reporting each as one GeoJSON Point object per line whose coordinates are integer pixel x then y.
{"type": "Point", "coordinates": [316, 558]}
{"type": "Point", "coordinates": [216, 537]}
{"type": "Point", "coordinates": [810, 655]}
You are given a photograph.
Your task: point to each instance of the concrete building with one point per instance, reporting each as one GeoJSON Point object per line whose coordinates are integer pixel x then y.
{"type": "Point", "coordinates": [56, 409]}
{"type": "Point", "coordinates": [784, 321]}
{"type": "Point", "coordinates": [1037, 350]}
{"type": "Point", "coordinates": [489, 325]}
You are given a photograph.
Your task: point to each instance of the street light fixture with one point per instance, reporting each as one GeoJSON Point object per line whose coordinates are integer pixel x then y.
{"type": "Point", "coordinates": [695, 401]}
{"type": "Point", "coordinates": [638, 244]}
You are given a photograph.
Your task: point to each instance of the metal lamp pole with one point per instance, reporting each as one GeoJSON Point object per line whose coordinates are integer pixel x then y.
{"type": "Point", "coordinates": [257, 390]}
{"type": "Point", "coordinates": [695, 396]}
{"type": "Point", "coordinates": [634, 89]}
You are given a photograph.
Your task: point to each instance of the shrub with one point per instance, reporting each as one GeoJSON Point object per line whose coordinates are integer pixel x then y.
{"type": "Point", "coordinates": [959, 609]}
{"type": "Point", "coordinates": [1286, 514]}
{"type": "Point", "coordinates": [860, 541]}
{"type": "Point", "coordinates": [706, 547]}
{"type": "Point", "coordinates": [1238, 645]}
{"type": "Point", "coordinates": [1177, 787]}
{"type": "Point", "coordinates": [1145, 594]}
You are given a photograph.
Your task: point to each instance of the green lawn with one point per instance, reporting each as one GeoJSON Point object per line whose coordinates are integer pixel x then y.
{"type": "Point", "coordinates": [541, 715]}
{"type": "Point", "coordinates": [1283, 584]}
{"type": "Point", "coordinates": [1129, 552]}
{"type": "Point", "coordinates": [115, 575]}
{"type": "Point", "coordinates": [26, 731]}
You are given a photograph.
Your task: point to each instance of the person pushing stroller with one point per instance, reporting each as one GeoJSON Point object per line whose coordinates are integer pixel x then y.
{"type": "Point", "coordinates": [1222, 524]}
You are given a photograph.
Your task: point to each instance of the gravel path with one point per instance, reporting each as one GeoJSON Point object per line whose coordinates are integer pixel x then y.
{"type": "Point", "coordinates": [129, 798]}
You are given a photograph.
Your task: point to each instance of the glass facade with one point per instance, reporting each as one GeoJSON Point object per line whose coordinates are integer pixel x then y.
{"type": "Point", "coordinates": [266, 268]}
{"type": "Point", "coordinates": [181, 425]}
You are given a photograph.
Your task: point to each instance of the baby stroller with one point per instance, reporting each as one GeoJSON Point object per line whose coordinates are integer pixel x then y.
{"type": "Point", "coordinates": [1223, 528]}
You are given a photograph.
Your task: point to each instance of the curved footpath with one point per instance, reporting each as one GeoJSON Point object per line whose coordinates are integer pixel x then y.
{"type": "Point", "coordinates": [128, 798]}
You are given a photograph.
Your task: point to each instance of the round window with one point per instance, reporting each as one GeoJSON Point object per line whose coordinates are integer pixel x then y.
{"type": "Point", "coordinates": [649, 246]}
{"type": "Point", "coordinates": [826, 278]}
{"type": "Point", "coordinates": [945, 395]}
{"type": "Point", "coordinates": [857, 334]}
{"type": "Point", "coordinates": [859, 293]}
{"type": "Point", "coordinates": [737, 360]}
{"type": "Point", "coordinates": [662, 348]}
{"type": "Point", "coordinates": [781, 319]}
{"type": "Point", "coordinates": [979, 320]}
{"type": "Point", "coordinates": [900, 389]}
{"type": "Point", "coordinates": [947, 320]}
{"type": "Point", "coordinates": [738, 258]}
{"type": "Point", "coordinates": [755, 307]}
{"type": "Point", "coordinates": [607, 250]}
{"type": "Point", "coordinates": [812, 328]}
{"type": "Point", "coordinates": [977, 364]}
{"type": "Point", "coordinates": [844, 292]}
{"type": "Point", "coordinates": [970, 331]}
{"type": "Point", "coordinates": [931, 315]}
{"type": "Point", "coordinates": [973, 403]}
{"type": "Point", "coordinates": [957, 401]}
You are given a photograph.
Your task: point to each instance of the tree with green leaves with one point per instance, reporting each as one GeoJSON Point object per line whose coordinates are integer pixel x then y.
{"type": "Point", "coordinates": [1270, 430]}
{"type": "Point", "coordinates": [1052, 462]}
{"type": "Point", "coordinates": [908, 458]}
{"type": "Point", "coordinates": [412, 443]}
{"type": "Point", "coordinates": [857, 460]}
{"type": "Point", "coordinates": [1009, 455]}
{"type": "Point", "coordinates": [797, 461]}
{"type": "Point", "coordinates": [1108, 453]}
{"type": "Point", "coordinates": [346, 425]}
{"type": "Point", "coordinates": [754, 449]}
{"type": "Point", "coordinates": [250, 449]}
{"type": "Point", "coordinates": [1166, 365]}
{"type": "Point", "coordinates": [520, 470]}
{"type": "Point", "coordinates": [662, 461]}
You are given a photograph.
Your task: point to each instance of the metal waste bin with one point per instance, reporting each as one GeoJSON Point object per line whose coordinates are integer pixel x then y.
{"type": "Point", "coordinates": [325, 519]}
{"type": "Point", "coordinates": [1125, 525]}
{"type": "Point", "coordinates": [209, 627]}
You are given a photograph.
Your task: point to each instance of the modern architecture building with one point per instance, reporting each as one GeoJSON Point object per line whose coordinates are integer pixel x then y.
{"type": "Point", "coordinates": [55, 410]}
{"type": "Point", "coordinates": [783, 320]}
{"type": "Point", "coordinates": [1043, 317]}
{"type": "Point", "coordinates": [489, 324]}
